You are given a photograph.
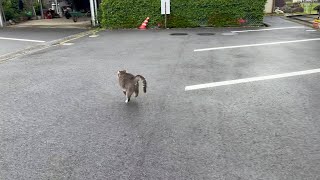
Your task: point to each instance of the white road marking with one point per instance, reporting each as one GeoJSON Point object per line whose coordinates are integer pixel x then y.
{"type": "Point", "coordinates": [93, 36]}
{"type": "Point", "coordinates": [67, 44]}
{"type": "Point", "coordinates": [253, 79]}
{"type": "Point", "coordinates": [27, 40]}
{"type": "Point", "coordinates": [253, 45]}
{"type": "Point", "coordinates": [229, 34]}
{"type": "Point", "coordinates": [269, 29]}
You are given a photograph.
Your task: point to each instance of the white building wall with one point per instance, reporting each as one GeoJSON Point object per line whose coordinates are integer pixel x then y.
{"type": "Point", "coordinates": [269, 6]}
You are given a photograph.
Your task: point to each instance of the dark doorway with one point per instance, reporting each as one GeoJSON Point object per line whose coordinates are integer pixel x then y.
{"type": "Point", "coordinates": [81, 5]}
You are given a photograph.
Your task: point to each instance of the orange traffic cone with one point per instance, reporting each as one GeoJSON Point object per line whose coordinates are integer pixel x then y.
{"type": "Point", "coordinates": [316, 24]}
{"type": "Point", "coordinates": [144, 24]}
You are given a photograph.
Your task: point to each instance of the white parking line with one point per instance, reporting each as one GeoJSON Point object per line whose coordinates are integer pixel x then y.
{"type": "Point", "coordinates": [67, 44]}
{"type": "Point", "coordinates": [94, 35]}
{"type": "Point", "coordinates": [270, 29]}
{"type": "Point", "coordinates": [247, 80]}
{"type": "Point", "coordinates": [253, 45]}
{"type": "Point", "coordinates": [27, 40]}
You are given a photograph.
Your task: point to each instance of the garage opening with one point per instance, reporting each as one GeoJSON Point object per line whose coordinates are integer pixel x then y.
{"type": "Point", "coordinates": [69, 9]}
{"type": "Point", "coordinates": [57, 13]}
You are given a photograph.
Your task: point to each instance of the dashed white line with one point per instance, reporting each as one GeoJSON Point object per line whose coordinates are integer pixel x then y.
{"type": "Point", "coordinates": [253, 45]}
{"type": "Point", "coordinates": [67, 44]}
{"type": "Point", "coordinates": [93, 36]}
{"type": "Point", "coordinates": [253, 79]}
{"type": "Point", "coordinates": [26, 40]}
{"type": "Point", "coordinates": [311, 30]}
{"type": "Point", "coordinates": [270, 29]}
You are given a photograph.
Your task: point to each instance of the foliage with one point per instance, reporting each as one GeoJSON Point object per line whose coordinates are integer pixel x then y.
{"type": "Point", "coordinates": [184, 13]}
{"type": "Point", "coordinates": [11, 9]}
{"type": "Point", "coordinates": [37, 8]}
{"type": "Point", "coordinates": [309, 8]}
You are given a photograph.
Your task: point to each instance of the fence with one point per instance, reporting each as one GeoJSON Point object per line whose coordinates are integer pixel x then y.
{"type": "Point", "coordinates": [297, 6]}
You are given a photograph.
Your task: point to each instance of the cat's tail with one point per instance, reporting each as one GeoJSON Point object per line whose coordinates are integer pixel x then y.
{"type": "Point", "coordinates": [144, 82]}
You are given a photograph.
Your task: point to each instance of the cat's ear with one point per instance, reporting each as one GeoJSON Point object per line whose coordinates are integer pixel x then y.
{"type": "Point", "coordinates": [123, 71]}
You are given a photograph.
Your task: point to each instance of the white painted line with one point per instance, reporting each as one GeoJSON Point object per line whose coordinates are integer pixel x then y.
{"type": "Point", "coordinates": [93, 36]}
{"type": "Point", "coordinates": [67, 44]}
{"type": "Point", "coordinates": [269, 29]}
{"type": "Point", "coordinates": [229, 34]}
{"type": "Point", "coordinates": [253, 45]}
{"type": "Point", "coordinates": [311, 30]}
{"type": "Point", "coordinates": [247, 80]}
{"type": "Point", "coordinates": [27, 40]}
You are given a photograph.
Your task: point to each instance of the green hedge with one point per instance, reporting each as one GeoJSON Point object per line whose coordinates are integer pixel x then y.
{"type": "Point", "coordinates": [184, 13]}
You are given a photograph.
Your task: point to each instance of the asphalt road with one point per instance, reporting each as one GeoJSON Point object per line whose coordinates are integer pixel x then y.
{"type": "Point", "coordinates": [29, 37]}
{"type": "Point", "coordinates": [65, 117]}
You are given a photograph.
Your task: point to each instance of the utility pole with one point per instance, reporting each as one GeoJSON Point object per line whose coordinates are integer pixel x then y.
{"type": "Point", "coordinates": [2, 22]}
{"type": "Point", "coordinates": [93, 12]}
{"type": "Point", "coordinates": [96, 11]}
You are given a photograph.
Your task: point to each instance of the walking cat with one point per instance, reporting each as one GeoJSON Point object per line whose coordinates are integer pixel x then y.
{"type": "Point", "coordinates": [130, 84]}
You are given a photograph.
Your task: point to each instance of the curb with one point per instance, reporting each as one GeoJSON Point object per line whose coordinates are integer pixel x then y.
{"type": "Point", "coordinates": [45, 45]}
{"type": "Point", "coordinates": [266, 24]}
{"type": "Point", "coordinates": [297, 20]}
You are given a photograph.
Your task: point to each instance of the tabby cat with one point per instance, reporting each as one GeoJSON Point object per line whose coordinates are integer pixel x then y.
{"type": "Point", "coordinates": [130, 84]}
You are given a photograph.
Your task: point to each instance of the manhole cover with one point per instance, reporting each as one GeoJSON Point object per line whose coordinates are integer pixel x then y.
{"type": "Point", "coordinates": [179, 34]}
{"type": "Point", "coordinates": [205, 34]}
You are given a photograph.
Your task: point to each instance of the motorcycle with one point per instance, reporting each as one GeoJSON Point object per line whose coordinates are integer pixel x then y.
{"type": "Point", "coordinates": [66, 12]}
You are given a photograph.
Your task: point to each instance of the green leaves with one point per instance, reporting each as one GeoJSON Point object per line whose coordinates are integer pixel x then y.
{"type": "Point", "coordinates": [184, 13]}
{"type": "Point", "coordinates": [11, 9]}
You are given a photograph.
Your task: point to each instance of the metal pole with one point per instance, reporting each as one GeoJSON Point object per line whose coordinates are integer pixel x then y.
{"type": "Point", "coordinates": [165, 15]}
{"type": "Point", "coordinates": [96, 10]}
{"type": "Point", "coordinates": [93, 18]}
{"type": "Point", "coordinates": [1, 15]}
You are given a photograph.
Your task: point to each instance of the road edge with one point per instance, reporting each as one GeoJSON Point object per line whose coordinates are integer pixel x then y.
{"type": "Point", "coordinates": [42, 46]}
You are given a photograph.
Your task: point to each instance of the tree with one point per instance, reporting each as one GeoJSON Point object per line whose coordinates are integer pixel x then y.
{"type": "Point", "coordinates": [11, 9]}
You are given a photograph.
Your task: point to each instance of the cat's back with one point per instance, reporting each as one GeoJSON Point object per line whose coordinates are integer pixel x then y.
{"type": "Point", "coordinates": [125, 79]}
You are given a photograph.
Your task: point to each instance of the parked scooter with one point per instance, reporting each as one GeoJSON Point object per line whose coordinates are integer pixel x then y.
{"type": "Point", "coordinates": [66, 11]}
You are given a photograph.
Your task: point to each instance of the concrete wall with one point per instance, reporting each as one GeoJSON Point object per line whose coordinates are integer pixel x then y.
{"type": "Point", "coordinates": [269, 6]}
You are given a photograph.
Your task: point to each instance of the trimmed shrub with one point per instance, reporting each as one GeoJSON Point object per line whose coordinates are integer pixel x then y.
{"type": "Point", "coordinates": [184, 13]}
